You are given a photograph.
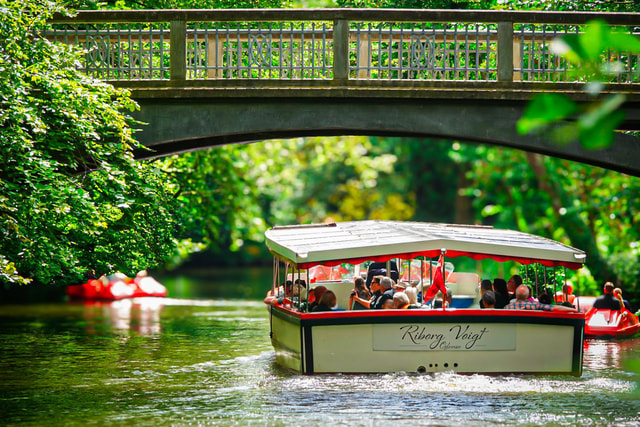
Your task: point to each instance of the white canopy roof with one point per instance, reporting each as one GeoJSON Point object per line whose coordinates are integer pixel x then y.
{"type": "Point", "coordinates": [357, 241]}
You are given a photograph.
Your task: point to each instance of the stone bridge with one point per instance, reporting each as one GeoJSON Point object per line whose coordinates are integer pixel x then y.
{"type": "Point", "coordinates": [210, 77]}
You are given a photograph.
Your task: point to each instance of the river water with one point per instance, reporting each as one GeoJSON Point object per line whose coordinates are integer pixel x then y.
{"type": "Point", "coordinates": [209, 361]}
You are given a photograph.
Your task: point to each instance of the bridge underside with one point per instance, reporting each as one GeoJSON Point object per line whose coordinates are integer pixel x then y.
{"type": "Point", "coordinates": [177, 124]}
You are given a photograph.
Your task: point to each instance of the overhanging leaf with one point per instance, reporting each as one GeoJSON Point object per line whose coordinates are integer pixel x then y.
{"type": "Point", "coordinates": [622, 42]}
{"type": "Point", "coordinates": [544, 109]}
{"type": "Point", "coordinates": [601, 134]}
{"type": "Point", "coordinates": [594, 39]}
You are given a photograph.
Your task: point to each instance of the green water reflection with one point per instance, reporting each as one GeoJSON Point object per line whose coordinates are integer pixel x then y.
{"type": "Point", "coordinates": [209, 361]}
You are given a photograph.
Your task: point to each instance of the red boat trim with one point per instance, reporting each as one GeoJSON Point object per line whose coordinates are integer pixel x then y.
{"type": "Point", "coordinates": [424, 314]}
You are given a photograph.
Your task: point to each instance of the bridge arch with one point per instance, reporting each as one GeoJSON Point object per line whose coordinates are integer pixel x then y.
{"type": "Point", "coordinates": [211, 77]}
{"type": "Point", "coordinates": [181, 125]}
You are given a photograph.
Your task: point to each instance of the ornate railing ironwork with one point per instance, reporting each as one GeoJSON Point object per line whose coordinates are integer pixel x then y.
{"type": "Point", "coordinates": [332, 44]}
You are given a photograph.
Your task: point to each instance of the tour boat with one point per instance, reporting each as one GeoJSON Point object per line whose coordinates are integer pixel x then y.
{"type": "Point", "coordinates": [462, 340]}
{"type": "Point", "coordinates": [611, 323]}
{"type": "Point", "coordinates": [117, 287]}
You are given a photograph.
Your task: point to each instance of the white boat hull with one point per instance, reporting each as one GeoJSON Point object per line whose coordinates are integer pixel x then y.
{"type": "Point", "coordinates": [463, 341]}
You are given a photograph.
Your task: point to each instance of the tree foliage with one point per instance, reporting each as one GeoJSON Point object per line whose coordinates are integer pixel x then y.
{"type": "Point", "coordinates": [56, 122]}
{"type": "Point", "coordinates": [594, 123]}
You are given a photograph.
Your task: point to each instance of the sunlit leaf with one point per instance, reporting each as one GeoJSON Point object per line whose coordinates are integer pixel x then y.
{"type": "Point", "coordinates": [594, 39]}
{"type": "Point", "coordinates": [601, 134]}
{"type": "Point", "coordinates": [623, 42]}
{"type": "Point", "coordinates": [599, 111]}
{"type": "Point", "coordinates": [564, 134]}
{"type": "Point", "coordinates": [545, 109]}
{"type": "Point", "coordinates": [569, 47]}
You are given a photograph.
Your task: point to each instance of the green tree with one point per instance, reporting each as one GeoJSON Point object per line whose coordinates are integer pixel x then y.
{"type": "Point", "coordinates": [338, 178]}
{"type": "Point", "coordinates": [55, 124]}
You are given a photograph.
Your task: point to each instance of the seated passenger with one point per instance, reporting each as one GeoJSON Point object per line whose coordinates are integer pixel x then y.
{"type": "Point", "coordinates": [607, 300]}
{"type": "Point", "coordinates": [544, 298]}
{"type": "Point", "coordinates": [438, 302]}
{"type": "Point", "coordinates": [566, 295]}
{"type": "Point", "coordinates": [400, 286]}
{"type": "Point", "coordinates": [565, 298]}
{"type": "Point", "coordinates": [488, 300]}
{"type": "Point", "coordinates": [315, 295]}
{"type": "Point", "coordinates": [531, 298]}
{"type": "Point", "coordinates": [485, 286]}
{"type": "Point", "coordinates": [412, 294]}
{"type": "Point", "coordinates": [282, 291]}
{"type": "Point", "coordinates": [502, 294]}
{"type": "Point", "coordinates": [327, 302]}
{"type": "Point", "coordinates": [401, 300]}
{"type": "Point", "coordinates": [617, 293]}
{"type": "Point", "coordinates": [521, 303]}
{"type": "Point", "coordinates": [375, 294]}
{"type": "Point", "coordinates": [388, 305]}
{"type": "Point", "coordinates": [361, 291]}
{"type": "Point", "coordinates": [386, 289]}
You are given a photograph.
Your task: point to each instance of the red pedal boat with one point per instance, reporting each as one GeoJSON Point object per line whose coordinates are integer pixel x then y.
{"type": "Point", "coordinates": [611, 323]}
{"type": "Point", "coordinates": [117, 287]}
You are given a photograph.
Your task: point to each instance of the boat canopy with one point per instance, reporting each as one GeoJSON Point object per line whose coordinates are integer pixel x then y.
{"type": "Point", "coordinates": [355, 242]}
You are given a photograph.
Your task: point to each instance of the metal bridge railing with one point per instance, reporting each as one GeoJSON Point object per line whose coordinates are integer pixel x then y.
{"type": "Point", "coordinates": [331, 44]}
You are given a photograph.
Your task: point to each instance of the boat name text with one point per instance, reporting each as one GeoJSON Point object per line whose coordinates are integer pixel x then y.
{"type": "Point", "coordinates": [479, 336]}
{"type": "Point", "coordinates": [460, 336]}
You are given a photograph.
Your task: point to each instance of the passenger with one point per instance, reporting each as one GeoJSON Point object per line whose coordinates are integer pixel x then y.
{"type": "Point", "coordinates": [281, 292]}
{"type": "Point", "coordinates": [521, 303]}
{"type": "Point", "coordinates": [617, 293]}
{"type": "Point", "coordinates": [607, 300]}
{"type": "Point", "coordinates": [438, 302]}
{"type": "Point", "coordinates": [401, 300]}
{"type": "Point", "coordinates": [327, 302]}
{"type": "Point", "coordinates": [544, 298]}
{"type": "Point", "coordinates": [488, 299]}
{"type": "Point", "coordinates": [502, 294]}
{"type": "Point", "coordinates": [375, 294]}
{"type": "Point", "coordinates": [361, 291]}
{"type": "Point", "coordinates": [531, 298]}
{"type": "Point", "coordinates": [401, 286]}
{"type": "Point", "coordinates": [386, 289]}
{"type": "Point", "coordinates": [512, 285]}
{"type": "Point", "coordinates": [485, 286]}
{"type": "Point", "coordinates": [299, 291]}
{"type": "Point", "coordinates": [565, 295]}
{"type": "Point", "coordinates": [388, 305]}
{"type": "Point", "coordinates": [412, 294]}
{"type": "Point", "coordinates": [565, 298]}
{"type": "Point", "coordinates": [317, 293]}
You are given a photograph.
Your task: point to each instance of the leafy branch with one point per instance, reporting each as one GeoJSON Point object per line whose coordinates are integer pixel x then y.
{"type": "Point", "coordinates": [592, 124]}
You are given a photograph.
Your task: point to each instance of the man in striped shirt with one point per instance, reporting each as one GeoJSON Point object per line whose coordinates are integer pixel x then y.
{"type": "Point", "coordinates": [521, 303]}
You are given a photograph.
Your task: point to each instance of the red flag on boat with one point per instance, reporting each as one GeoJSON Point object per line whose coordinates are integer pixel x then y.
{"type": "Point", "coordinates": [438, 282]}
